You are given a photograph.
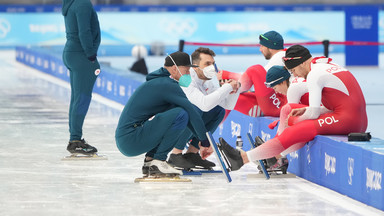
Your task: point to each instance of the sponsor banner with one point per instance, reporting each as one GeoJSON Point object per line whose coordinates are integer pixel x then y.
{"type": "Point", "coordinates": [351, 168]}
{"type": "Point", "coordinates": [361, 24]}
{"type": "Point", "coordinates": [237, 124]}
{"type": "Point", "coordinates": [22, 29]}
{"type": "Point", "coordinates": [176, 8]}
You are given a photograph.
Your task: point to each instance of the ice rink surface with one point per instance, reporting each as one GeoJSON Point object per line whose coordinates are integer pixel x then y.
{"type": "Point", "coordinates": [35, 181]}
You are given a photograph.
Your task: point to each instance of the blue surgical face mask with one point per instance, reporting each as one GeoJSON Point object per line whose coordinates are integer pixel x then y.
{"type": "Point", "coordinates": [186, 79]}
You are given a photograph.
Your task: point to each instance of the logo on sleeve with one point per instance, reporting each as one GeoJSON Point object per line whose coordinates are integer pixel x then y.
{"type": "Point", "coordinates": [97, 72]}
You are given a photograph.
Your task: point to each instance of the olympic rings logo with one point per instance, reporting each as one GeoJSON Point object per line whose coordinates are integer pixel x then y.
{"type": "Point", "coordinates": [181, 27]}
{"type": "Point", "coordinates": [5, 27]}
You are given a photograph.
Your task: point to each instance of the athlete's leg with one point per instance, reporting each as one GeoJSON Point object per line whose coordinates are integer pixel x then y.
{"type": "Point", "coordinates": [156, 136]}
{"type": "Point", "coordinates": [82, 77]}
{"type": "Point", "coordinates": [211, 120]}
{"type": "Point", "coordinates": [302, 132]}
{"type": "Point", "coordinates": [269, 101]}
{"type": "Point", "coordinates": [246, 104]}
{"type": "Point", "coordinates": [284, 113]}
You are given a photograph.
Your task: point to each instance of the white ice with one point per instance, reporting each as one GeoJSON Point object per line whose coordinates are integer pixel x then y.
{"type": "Point", "coordinates": [34, 180]}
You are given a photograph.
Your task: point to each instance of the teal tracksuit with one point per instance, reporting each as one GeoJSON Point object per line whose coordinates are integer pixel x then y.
{"type": "Point", "coordinates": [211, 119]}
{"type": "Point", "coordinates": [155, 116]}
{"type": "Point", "coordinates": [79, 56]}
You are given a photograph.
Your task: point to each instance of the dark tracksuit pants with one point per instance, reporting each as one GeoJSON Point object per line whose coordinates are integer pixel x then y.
{"type": "Point", "coordinates": [156, 136]}
{"type": "Point", "coordinates": [211, 120]}
{"type": "Point", "coordinates": [82, 79]}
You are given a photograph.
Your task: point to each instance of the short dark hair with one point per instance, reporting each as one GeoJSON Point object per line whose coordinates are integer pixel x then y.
{"type": "Point", "coordinates": [196, 54]}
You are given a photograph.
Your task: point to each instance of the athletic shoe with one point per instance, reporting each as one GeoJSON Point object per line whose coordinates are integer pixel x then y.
{"type": "Point", "coordinates": [198, 162]}
{"type": "Point", "coordinates": [81, 147]}
{"type": "Point", "coordinates": [179, 162]}
{"type": "Point", "coordinates": [158, 167]}
{"type": "Point", "coordinates": [231, 154]}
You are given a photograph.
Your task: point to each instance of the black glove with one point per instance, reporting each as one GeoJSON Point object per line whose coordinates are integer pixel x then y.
{"type": "Point", "coordinates": [92, 58]}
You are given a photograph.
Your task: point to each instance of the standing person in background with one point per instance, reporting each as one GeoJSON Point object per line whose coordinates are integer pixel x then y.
{"type": "Point", "coordinates": [79, 56]}
{"type": "Point", "coordinates": [139, 66]}
{"type": "Point", "coordinates": [263, 101]}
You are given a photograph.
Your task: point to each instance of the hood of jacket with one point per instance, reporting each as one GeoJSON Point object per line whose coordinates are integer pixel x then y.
{"type": "Point", "coordinates": [66, 5]}
{"type": "Point", "coordinates": [162, 72]}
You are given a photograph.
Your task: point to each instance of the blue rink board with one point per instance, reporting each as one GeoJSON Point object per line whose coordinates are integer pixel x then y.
{"type": "Point", "coordinates": [351, 168]}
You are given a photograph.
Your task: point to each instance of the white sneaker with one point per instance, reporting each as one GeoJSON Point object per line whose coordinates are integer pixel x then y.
{"type": "Point", "coordinates": [162, 167]}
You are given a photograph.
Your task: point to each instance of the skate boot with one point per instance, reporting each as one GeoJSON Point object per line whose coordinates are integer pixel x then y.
{"type": "Point", "coordinates": [179, 162]}
{"type": "Point", "coordinates": [233, 156]}
{"type": "Point", "coordinates": [198, 162]}
{"type": "Point", "coordinates": [81, 147]}
{"type": "Point", "coordinates": [280, 166]}
{"type": "Point", "coordinates": [158, 168]}
{"type": "Point", "coordinates": [267, 162]}
{"type": "Point", "coordinates": [145, 168]}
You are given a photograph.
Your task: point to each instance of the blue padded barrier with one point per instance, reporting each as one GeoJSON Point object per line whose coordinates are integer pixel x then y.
{"type": "Point", "coordinates": [354, 169]}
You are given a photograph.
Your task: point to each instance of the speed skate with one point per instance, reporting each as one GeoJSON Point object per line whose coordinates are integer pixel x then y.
{"type": "Point", "coordinates": [224, 163]}
{"type": "Point", "coordinates": [160, 171]}
{"type": "Point", "coordinates": [79, 156]}
{"type": "Point", "coordinates": [275, 172]}
{"type": "Point", "coordinates": [260, 162]}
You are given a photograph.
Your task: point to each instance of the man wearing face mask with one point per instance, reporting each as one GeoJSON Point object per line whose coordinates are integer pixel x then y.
{"type": "Point", "coordinates": [210, 100]}
{"type": "Point", "coordinates": [157, 114]}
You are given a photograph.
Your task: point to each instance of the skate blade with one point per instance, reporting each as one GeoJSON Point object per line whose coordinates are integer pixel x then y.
{"type": "Point", "coordinates": [84, 157]}
{"type": "Point", "coordinates": [192, 172]}
{"type": "Point", "coordinates": [199, 172]}
{"type": "Point", "coordinates": [162, 179]}
{"type": "Point", "coordinates": [272, 175]}
{"type": "Point", "coordinates": [212, 171]}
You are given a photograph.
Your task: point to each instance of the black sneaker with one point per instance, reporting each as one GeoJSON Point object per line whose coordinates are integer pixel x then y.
{"type": "Point", "coordinates": [178, 161]}
{"type": "Point", "coordinates": [231, 154]}
{"type": "Point", "coordinates": [81, 147]}
{"type": "Point", "coordinates": [198, 162]}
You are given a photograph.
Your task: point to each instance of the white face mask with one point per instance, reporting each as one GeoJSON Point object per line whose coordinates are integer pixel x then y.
{"type": "Point", "coordinates": [209, 71]}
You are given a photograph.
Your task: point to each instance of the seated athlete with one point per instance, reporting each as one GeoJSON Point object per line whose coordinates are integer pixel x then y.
{"type": "Point", "coordinates": [295, 88]}
{"type": "Point", "coordinates": [263, 101]}
{"type": "Point", "coordinates": [343, 109]}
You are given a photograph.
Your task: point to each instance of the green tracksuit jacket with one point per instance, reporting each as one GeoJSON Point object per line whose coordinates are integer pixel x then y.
{"type": "Point", "coordinates": [148, 106]}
